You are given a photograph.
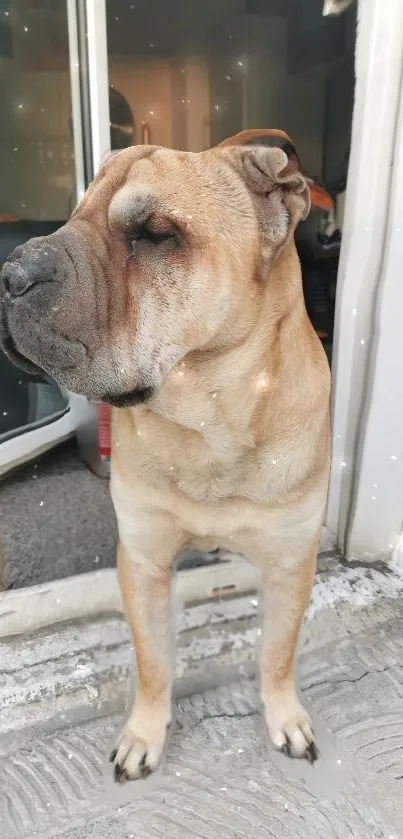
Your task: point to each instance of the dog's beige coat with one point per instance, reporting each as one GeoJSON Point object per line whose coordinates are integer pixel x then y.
{"type": "Point", "coordinates": [232, 451]}
{"type": "Point", "coordinates": [181, 286]}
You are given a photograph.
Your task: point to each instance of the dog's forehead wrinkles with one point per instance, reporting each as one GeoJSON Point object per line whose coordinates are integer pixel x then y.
{"type": "Point", "coordinates": [161, 182]}
{"type": "Point", "coordinates": [132, 203]}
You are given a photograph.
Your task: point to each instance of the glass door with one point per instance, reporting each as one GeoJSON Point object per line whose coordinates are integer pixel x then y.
{"type": "Point", "coordinates": [38, 193]}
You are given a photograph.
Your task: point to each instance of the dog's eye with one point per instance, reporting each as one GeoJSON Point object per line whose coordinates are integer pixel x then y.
{"type": "Point", "coordinates": [157, 236]}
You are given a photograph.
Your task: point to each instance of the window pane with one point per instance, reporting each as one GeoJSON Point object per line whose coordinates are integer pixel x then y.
{"type": "Point", "coordinates": [37, 173]}
{"type": "Point", "coordinates": [36, 142]}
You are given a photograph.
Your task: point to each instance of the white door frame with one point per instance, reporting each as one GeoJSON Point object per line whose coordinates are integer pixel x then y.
{"type": "Point", "coordinates": [376, 514]}
{"type": "Point", "coordinates": [379, 51]}
{"type": "Point", "coordinates": [357, 358]}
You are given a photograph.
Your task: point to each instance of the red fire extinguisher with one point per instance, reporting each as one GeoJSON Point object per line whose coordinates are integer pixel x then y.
{"type": "Point", "coordinates": [94, 439]}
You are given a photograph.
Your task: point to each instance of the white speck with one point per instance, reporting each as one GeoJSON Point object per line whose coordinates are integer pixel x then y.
{"type": "Point", "coordinates": [214, 395]}
{"type": "Point", "coordinates": [398, 230]}
{"type": "Point", "coordinates": [26, 29]}
{"type": "Point", "coordinates": [223, 789]}
{"type": "Point", "coordinates": [116, 18]}
{"type": "Point", "coordinates": [151, 113]}
{"type": "Point", "coordinates": [5, 413]}
{"type": "Point", "coordinates": [139, 434]}
{"type": "Point", "coordinates": [15, 148]}
{"type": "Point", "coordinates": [254, 602]}
{"type": "Point", "coordinates": [261, 382]}
{"type": "Point", "coordinates": [393, 457]}
{"type": "Point", "coordinates": [41, 503]}
{"type": "Point", "coordinates": [362, 341]}
{"type": "Point", "coordinates": [96, 560]}
{"type": "Point", "coordinates": [375, 486]}
{"type": "Point", "coordinates": [285, 806]}
{"type": "Point", "coordinates": [216, 107]}
{"type": "Point", "coordinates": [374, 497]}
{"type": "Point", "coordinates": [274, 462]}
{"type": "Point", "coordinates": [70, 756]}
{"type": "Point", "coordinates": [253, 786]}
{"type": "Point", "coordinates": [6, 14]}
{"type": "Point", "coordinates": [171, 468]}
{"type": "Point", "coordinates": [354, 312]}
{"type": "Point", "coordinates": [228, 78]}
{"type": "Point", "coordinates": [151, 46]}
{"type": "Point", "coordinates": [240, 63]}
{"type": "Point", "coordinates": [183, 101]}
{"type": "Point", "coordinates": [93, 692]}
{"type": "Point", "coordinates": [58, 600]}
{"type": "Point", "coordinates": [189, 216]}
{"type": "Point", "coordinates": [391, 547]}
{"type": "Point", "coordinates": [343, 463]}
{"type": "Point", "coordinates": [202, 424]}
{"type": "Point", "coordinates": [240, 751]}
{"type": "Point", "coordinates": [178, 774]}
{"type": "Point", "coordinates": [230, 37]}
{"type": "Point", "coordinates": [259, 632]}
{"type": "Point", "coordinates": [49, 804]}
{"type": "Point", "coordinates": [180, 373]}
{"type": "Point", "coordinates": [339, 763]}
{"type": "Point", "coordinates": [20, 107]}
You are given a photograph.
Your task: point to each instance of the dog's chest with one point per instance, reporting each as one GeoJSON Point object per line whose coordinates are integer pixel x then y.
{"type": "Point", "coordinates": [202, 467]}
{"type": "Point", "coordinates": [200, 475]}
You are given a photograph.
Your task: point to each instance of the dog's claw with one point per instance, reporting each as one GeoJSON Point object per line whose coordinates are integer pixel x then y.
{"type": "Point", "coordinates": [286, 749]}
{"type": "Point", "coordinates": [113, 755]}
{"type": "Point", "coordinates": [117, 773]}
{"type": "Point", "coordinates": [312, 753]}
{"type": "Point", "coordinates": [144, 769]}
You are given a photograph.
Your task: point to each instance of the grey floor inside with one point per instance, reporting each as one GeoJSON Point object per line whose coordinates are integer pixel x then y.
{"type": "Point", "coordinates": [56, 520]}
{"type": "Point", "coordinates": [63, 693]}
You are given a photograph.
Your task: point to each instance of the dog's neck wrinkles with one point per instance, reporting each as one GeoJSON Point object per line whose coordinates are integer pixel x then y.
{"type": "Point", "coordinates": [228, 395]}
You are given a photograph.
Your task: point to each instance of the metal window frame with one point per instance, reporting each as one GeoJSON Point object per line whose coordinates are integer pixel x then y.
{"type": "Point", "coordinates": [378, 79]}
{"type": "Point", "coordinates": [89, 87]}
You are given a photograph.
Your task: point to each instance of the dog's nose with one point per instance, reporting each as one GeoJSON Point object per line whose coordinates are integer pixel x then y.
{"type": "Point", "coordinates": [21, 274]}
{"type": "Point", "coordinates": [16, 280]}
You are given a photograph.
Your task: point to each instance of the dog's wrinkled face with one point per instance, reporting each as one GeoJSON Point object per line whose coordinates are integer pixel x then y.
{"type": "Point", "coordinates": [156, 257]}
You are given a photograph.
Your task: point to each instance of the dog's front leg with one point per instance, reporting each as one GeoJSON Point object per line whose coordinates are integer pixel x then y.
{"type": "Point", "coordinates": [146, 590]}
{"type": "Point", "coordinates": [287, 585]}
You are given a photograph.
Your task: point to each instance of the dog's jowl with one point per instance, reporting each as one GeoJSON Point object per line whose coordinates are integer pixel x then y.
{"type": "Point", "coordinates": [174, 293]}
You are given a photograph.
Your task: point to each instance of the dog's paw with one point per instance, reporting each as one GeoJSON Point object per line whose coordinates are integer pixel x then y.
{"type": "Point", "coordinates": [290, 731]}
{"type": "Point", "coordinates": [138, 751]}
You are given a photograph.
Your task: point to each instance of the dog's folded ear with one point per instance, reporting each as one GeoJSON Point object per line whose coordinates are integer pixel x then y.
{"type": "Point", "coordinates": [268, 162]}
{"type": "Point", "coordinates": [267, 169]}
